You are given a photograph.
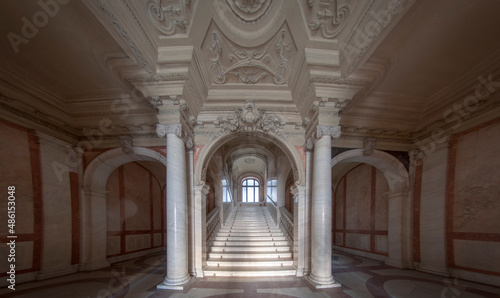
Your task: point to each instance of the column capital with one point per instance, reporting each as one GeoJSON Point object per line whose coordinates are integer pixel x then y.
{"type": "Point", "coordinates": [189, 142]}
{"type": "Point", "coordinates": [162, 130]}
{"type": "Point", "coordinates": [309, 145]}
{"type": "Point", "coordinates": [333, 131]}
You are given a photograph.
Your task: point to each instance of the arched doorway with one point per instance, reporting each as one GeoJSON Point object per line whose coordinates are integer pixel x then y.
{"type": "Point", "coordinates": [398, 198]}
{"type": "Point", "coordinates": [252, 149]}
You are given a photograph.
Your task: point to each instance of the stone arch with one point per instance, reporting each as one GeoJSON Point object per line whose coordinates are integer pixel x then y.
{"type": "Point", "coordinates": [208, 150]}
{"type": "Point", "coordinates": [95, 178]}
{"type": "Point", "coordinates": [399, 201]}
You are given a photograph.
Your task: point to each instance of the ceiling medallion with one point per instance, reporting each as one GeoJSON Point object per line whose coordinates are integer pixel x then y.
{"type": "Point", "coordinates": [250, 119]}
{"type": "Point", "coordinates": [250, 66]}
{"type": "Point", "coordinates": [330, 17]}
{"type": "Point", "coordinates": [249, 11]}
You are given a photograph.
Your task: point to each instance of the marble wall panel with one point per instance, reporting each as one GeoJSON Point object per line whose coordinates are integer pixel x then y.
{"type": "Point", "coordinates": [339, 205]}
{"type": "Point", "coordinates": [156, 193]}
{"type": "Point", "coordinates": [57, 211]}
{"type": "Point", "coordinates": [157, 239]}
{"type": "Point", "coordinates": [15, 169]}
{"type": "Point", "coordinates": [339, 238]}
{"type": "Point", "coordinates": [113, 221]}
{"type": "Point", "coordinates": [112, 245]}
{"type": "Point", "coordinates": [381, 244]}
{"type": "Point", "coordinates": [137, 242]}
{"type": "Point", "coordinates": [24, 256]}
{"type": "Point", "coordinates": [359, 241]}
{"type": "Point", "coordinates": [476, 205]}
{"type": "Point", "coordinates": [137, 197]}
{"type": "Point", "coordinates": [381, 202]}
{"type": "Point", "coordinates": [484, 255]}
{"type": "Point", "coordinates": [358, 198]}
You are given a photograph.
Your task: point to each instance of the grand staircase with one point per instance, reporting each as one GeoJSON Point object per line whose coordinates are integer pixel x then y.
{"type": "Point", "coordinates": [250, 244]}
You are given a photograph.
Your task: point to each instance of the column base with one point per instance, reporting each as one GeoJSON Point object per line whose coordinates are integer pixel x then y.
{"type": "Point", "coordinates": [176, 284]}
{"type": "Point", "coordinates": [323, 284]}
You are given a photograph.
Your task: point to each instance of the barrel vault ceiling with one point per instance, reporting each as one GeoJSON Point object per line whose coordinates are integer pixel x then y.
{"type": "Point", "coordinates": [393, 67]}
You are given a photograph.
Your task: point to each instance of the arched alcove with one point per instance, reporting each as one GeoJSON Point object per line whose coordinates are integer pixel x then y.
{"type": "Point", "coordinates": [398, 197]}
{"type": "Point", "coordinates": [94, 200]}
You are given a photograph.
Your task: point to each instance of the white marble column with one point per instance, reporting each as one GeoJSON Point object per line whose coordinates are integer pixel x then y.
{"type": "Point", "coordinates": [321, 264]}
{"type": "Point", "coordinates": [298, 193]}
{"type": "Point", "coordinates": [200, 239]}
{"type": "Point", "coordinates": [191, 208]}
{"type": "Point", "coordinates": [177, 215]}
{"type": "Point", "coordinates": [307, 210]}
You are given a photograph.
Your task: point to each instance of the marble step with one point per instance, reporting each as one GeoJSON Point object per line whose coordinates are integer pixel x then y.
{"type": "Point", "coordinates": [249, 263]}
{"type": "Point", "coordinates": [249, 271]}
{"type": "Point", "coordinates": [249, 234]}
{"type": "Point", "coordinates": [249, 243]}
{"type": "Point", "coordinates": [249, 238]}
{"type": "Point", "coordinates": [247, 231]}
{"type": "Point", "coordinates": [250, 255]}
{"type": "Point", "coordinates": [253, 249]}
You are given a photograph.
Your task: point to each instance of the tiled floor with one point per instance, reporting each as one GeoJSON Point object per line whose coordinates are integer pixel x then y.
{"type": "Point", "coordinates": [360, 277]}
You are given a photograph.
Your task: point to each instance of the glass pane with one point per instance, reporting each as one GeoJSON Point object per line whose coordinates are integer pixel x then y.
{"type": "Point", "coordinates": [250, 194]}
{"type": "Point", "coordinates": [256, 182]}
{"type": "Point", "coordinates": [244, 194]}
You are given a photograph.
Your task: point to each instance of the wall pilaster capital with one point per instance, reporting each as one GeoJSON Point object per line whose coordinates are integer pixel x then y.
{"type": "Point", "coordinates": [162, 130]}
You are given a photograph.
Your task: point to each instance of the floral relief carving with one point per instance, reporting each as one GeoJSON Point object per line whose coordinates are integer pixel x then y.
{"type": "Point", "coordinates": [251, 65]}
{"type": "Point", "coordinates": [249, 10]}
{"type": "Point", "coordinates": [329, 17]}
{"type": "Point", "coordinates": [250, 119]}
{"type": "Point", "coordinates": [169, 19]}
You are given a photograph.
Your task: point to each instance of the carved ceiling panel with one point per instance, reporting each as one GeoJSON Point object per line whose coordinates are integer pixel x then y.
{"type": "Point", "coordinates": [268, 63]}
{"type": "Point", "coordinates": [327, 18]}
{"type": "Point", "coordinates": [170, 16]}
{"type": "Point", "coordinates": [249, 10]}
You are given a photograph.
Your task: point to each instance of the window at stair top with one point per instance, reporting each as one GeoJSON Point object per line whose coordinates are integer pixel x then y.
{"type": "Point", "coordinates": [250, 190]}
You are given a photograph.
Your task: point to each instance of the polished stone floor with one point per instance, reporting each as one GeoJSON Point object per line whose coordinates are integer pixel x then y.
{"type": "Point", "coordinates": [360, 277]}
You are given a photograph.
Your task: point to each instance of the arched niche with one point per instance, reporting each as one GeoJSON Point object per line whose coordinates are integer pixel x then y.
{"type": "Point", "coordinates": [399, 204]}
{"type": "Point", "coordinates": [94, 200]}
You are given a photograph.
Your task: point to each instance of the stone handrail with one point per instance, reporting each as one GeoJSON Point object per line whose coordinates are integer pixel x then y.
{"type": "Point", "coordinates": [213, 224]}
{"type": "Point", "coordinates": [286, 224]}
{"type": "Point", "coordinates": [273, 210]}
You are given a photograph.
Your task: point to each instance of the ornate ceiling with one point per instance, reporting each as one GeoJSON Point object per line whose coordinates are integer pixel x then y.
{"type": "Point", "coordinates": [388, 69]}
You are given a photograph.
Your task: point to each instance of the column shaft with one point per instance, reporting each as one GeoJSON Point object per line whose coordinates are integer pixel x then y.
{"type": "Point", "coordinates": [321, 271]}
{"type": "Point", "coordinates": [177, 224]}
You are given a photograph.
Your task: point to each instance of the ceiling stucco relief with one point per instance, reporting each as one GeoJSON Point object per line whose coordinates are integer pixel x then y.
{"type": "Point", "coordinates": [172, 18]}
{"type": "Point", "coordinates": [249, 10]}
{"type": "Point", "coordinates": [327, 17]}
{"type": "Point", "coordinates": [248, 119]}
{"type": "Point", "coordinates": [251, 65]}
{"type": "Point", "coordinates": [249, 21]}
